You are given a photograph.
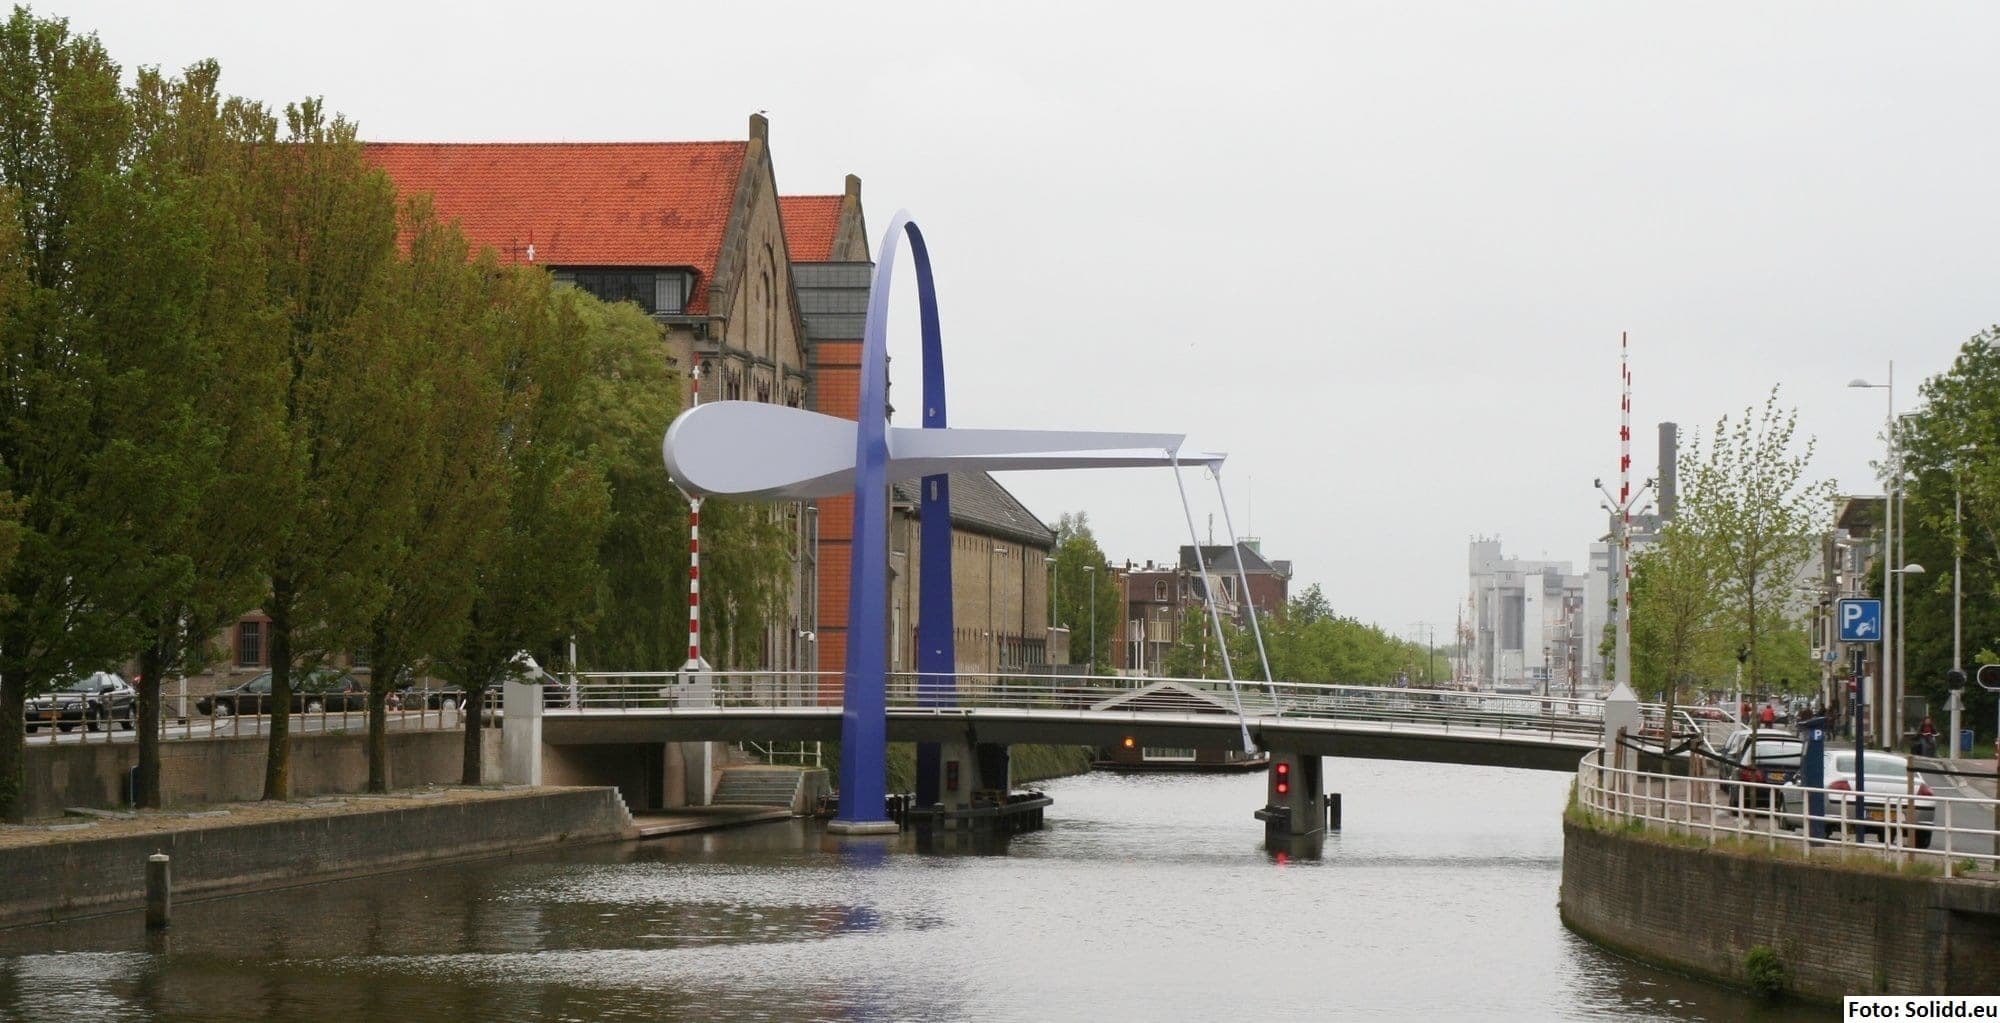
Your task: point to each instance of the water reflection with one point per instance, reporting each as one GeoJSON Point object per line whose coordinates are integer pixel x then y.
{"type": "Point", "coordinates": [1147, 897]}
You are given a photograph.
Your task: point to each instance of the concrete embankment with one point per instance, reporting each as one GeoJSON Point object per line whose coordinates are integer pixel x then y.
{"type": "Point", "coordinates": [225, 768]}
{"type": "Point", "coordinates": [53, 874]}
{"type": "Point", "coordinates": [1837, 928]}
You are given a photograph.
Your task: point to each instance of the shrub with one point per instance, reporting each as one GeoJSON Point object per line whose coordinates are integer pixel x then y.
{"type": "Point", "coordinates": [1766, 971]}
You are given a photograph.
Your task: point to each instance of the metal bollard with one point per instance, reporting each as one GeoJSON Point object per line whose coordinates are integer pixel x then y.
{"type": "Point", "coordinates": [159, 890]}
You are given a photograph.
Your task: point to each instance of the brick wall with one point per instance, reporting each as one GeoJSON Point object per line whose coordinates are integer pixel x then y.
{"type": "Point", "coordinates": [1840, 931]}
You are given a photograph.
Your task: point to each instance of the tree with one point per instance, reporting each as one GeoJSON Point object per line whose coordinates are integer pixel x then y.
{"type": "Point", "coordinates": [1747, 495]}
{"type": "Point", "coordinates": [328, 222]}
{"type": "Point", "coordinates": [539, 576]}
{"type": "Point", "coordinates": [448, 411]}
{"type": "Point", "coordinates": [1085, 594]}
{"type": "Point", "coordinates": [220, 401]}
{"type": "Point", "coordinates": [1676, 611]}
{"type": "Point", "coordinates": [1951, 509]}
{"type": "Point", "coordinates": [93, 340]}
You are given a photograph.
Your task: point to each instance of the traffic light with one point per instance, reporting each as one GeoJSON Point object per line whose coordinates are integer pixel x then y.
{"type": "Point", "coordinates": [1989, 676]}
{"type": "Point", "coordinates": [1955, 679]}
{"type": "Point", "coordinates": [1281, 773]}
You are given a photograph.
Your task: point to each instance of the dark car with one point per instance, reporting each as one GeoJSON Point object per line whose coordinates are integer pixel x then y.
{"type": "Point", "coordinates": [95, 700]}
{"type": "Point", "coordinates": [325, 689]}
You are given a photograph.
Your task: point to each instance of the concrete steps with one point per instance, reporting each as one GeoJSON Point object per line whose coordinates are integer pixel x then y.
{"type": "Point", "coordinates": [759, 786]}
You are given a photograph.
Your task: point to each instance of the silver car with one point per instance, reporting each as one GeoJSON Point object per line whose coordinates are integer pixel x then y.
{"type": "Point", "coordinates": [1890, 791]}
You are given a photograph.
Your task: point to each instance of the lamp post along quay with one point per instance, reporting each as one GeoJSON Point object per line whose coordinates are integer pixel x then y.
{"type": "Point", "coordinates": [1886, 661]}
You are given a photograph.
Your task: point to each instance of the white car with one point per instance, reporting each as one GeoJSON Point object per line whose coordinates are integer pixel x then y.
{"type": "Point", "coordinates": [1888, 789]}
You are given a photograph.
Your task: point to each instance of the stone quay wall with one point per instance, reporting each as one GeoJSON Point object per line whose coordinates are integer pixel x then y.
{"type": "Point", "coordinates": [1838, 929]}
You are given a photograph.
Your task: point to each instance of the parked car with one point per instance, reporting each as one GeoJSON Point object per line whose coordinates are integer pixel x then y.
{"type": "Point", "coordinates": [324, 689]}
{"type": "Point", "coordinates": [95, 700]}
{"type": "Point", "coordinates": [1776, 760]}
{"type": "Point", "coordinates": [1887, 789]}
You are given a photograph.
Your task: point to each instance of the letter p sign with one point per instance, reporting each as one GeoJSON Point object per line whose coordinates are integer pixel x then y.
{"type": "Point", "coordinates": [1860, 620]}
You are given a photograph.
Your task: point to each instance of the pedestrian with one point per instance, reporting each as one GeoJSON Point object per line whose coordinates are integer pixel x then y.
{"type": "Point", "coordinates": [1927, 738]}
{"type": "Point", "coordinates": [1767, 717]}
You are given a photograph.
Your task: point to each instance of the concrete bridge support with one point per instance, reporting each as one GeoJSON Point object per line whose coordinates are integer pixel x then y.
{"type": "Point", "coordinates": [1294, 812]}
{"type": "Point", "coordinates": [520, 732]}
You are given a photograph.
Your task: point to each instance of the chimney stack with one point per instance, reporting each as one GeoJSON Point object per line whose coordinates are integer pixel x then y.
{"type": "Point", "coordinates": [1670, 447]}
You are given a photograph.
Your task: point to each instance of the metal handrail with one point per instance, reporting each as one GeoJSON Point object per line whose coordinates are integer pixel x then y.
{"type": "Point", "coordinates": [1378, 706]}
{"type": "Point", "coordinates": [1720, 809]}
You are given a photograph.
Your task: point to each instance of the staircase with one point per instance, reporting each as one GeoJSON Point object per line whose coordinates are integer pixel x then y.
{"type": "Point", "coordinates": [759, 786]}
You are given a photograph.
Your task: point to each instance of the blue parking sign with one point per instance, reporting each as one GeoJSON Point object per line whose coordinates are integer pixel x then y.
{"type": "Point", "coordinates": [1860, 620]}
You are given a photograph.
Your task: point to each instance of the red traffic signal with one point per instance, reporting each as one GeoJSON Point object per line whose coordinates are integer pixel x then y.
{"type": "Point", "coordinates": [1282, 773]}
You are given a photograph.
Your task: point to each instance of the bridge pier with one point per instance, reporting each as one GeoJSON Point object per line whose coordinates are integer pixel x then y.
{"type": "Point", "coordinates": [966, 792]}
{"type": "Point", "coordinates": [1295, 808]}
{"type": "Point", "coordinates": [520, 732]}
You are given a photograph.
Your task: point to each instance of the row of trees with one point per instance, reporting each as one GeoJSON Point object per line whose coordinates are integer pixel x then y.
{"type": "Point", "coordinates": [1308, 643]}
{"type": "Point", "coordinates": [1951, 509]}
{"type": "Point", "coordinates": [238, 372]}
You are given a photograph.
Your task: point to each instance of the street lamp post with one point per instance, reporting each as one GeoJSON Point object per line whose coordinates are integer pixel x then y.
{"type": "Point", "coordinates": [1888, 543]}
{"type": "Point", "coordinates": [1892, 715]}
{"type": "Point", "coordinates": [1090, 573]}
{"type": "Point", "coordinates": [993, 658]}
{"type": "Point", "coordinates": [1051, 580]}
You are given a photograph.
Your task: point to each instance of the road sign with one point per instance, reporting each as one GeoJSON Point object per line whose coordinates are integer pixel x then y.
{"type": "Point", "coordinates": [1860, 620]}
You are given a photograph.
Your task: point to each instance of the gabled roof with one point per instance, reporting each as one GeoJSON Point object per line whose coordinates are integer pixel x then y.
{"type": "Point", "coordinates": [810, 223]}
{"type": "Point", "coordinates": [1224, 559]}
{"type": "Point", "coordinates": [979, 503]}
{"type": "Point", "coordinates": [580, 203]}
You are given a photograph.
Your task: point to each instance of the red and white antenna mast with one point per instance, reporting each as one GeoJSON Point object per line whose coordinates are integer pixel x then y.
{"type": "Point", "coordinates": [694, 661]}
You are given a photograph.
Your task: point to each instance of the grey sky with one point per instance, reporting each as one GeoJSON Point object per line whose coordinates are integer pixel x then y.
{"type": "Point", "coordinates": [1379, 253]}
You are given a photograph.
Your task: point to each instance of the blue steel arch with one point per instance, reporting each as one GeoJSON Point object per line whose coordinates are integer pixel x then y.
{"type": "Point", "coordinates": [864, 711]}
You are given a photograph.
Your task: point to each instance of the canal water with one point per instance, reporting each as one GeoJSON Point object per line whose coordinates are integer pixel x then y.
{"type": "Point", "coordinates": [1147, 898]}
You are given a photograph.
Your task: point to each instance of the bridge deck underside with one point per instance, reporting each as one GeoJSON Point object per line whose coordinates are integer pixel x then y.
{"type": "Point", "coordinates": [1487, 747]}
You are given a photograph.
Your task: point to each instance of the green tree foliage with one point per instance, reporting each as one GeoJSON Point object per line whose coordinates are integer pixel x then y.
{"type": "Point", "coordinates": [328, 223]}
{"type": "Point", "coordinates": [538, 578]}
{"type": "Point", "coordinates": [448, 411]}
{"type": "Point", "coordinates": [1747, 495]}
{"type": "Point", "coordinates": [1309, 643]}
{"type": "Point", "coordinates": [96, 351]}
{"type": "Point", "coordinates": [220, 402]}
{"type": "Point", "coordinates": [1951, 460]}
{"type": "Point", "coordinates": [1087, 599]}
{"type": "Point", "coordinates": [1677, 613]}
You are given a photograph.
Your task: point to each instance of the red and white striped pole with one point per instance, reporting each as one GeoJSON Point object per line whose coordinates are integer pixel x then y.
{"type": "Point", "coordinates": [1622, 665]}
{"type": "Point", "coordinates": [694, 661]}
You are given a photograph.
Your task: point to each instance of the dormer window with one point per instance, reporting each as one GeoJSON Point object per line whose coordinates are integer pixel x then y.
{"type": "Point", "coordinates": [653, 289]}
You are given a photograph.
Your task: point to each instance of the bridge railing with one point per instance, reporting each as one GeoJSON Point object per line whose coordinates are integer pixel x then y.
{"type": "Point", "coordinates": [1910, 823]}
{"type": "Point", "coordinates": [1430, 710]}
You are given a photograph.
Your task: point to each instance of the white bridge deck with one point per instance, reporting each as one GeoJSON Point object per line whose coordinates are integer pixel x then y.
{"type": "Point", "coordinates": [1443, 726]}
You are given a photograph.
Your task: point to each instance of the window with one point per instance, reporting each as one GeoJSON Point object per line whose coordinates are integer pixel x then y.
{"type": "Point", "coordinates": [1160, 589]}
{"type": "Point", "coordinates": [249, 644]}
{"type": "Point", "coordinates": [655, 291]}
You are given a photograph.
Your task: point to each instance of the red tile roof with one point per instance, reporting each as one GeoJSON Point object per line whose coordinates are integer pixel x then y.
{"type": "Point", "coordinates": [810, 221]}
{"type": "Point", "coordinates": [580, 204]}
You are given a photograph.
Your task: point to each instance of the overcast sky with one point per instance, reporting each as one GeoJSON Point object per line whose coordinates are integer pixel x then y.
{"type": "Point", "coordinates": [1379, 253]}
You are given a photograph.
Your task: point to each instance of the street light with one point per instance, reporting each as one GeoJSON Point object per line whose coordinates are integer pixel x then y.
{"type": "Point", "coordinates": [1889, 553]}
{"type": "Point", "coordinates": [1051, 562]}
{"type": "Point", "coordinates": [993, 662]}
{"type": "Point", "coordinates": [1894, 713]}
{"type": "Point", "coordinates": [1090, 572]}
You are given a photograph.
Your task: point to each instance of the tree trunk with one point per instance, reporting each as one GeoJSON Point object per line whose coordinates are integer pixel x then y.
{"type": "Point", "coordinates": [152, 664]}
{"type": "Point", "coordinates": [277, 759]}
{"type": "Point", "coordinates": [13, 747]}
{"type": "Point", "coordinates": [378, 737]}
{"type": "Point", "coordinates": [475, 719]}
